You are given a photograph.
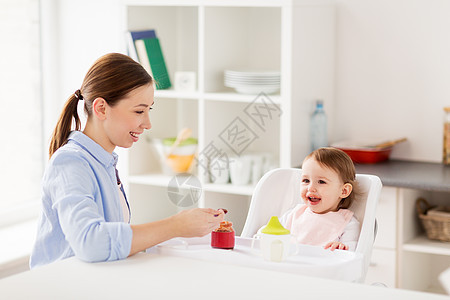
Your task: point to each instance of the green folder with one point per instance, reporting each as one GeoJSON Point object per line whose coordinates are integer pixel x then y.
{"type": "Point", "coordinates": [157, 64]}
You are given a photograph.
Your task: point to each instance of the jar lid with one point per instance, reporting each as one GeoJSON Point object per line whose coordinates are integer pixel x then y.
{"type": "Point", "coordinates": [274, 227]}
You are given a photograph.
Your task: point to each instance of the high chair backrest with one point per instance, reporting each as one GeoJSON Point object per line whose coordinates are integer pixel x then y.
{"type": "Point", "coordinates": [279, 190]}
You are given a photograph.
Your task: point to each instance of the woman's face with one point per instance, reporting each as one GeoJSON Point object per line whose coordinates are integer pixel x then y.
{"type": "Point", "coordinates": [321, 187]}
{"type": "Point", "coordinates": [128, 119]}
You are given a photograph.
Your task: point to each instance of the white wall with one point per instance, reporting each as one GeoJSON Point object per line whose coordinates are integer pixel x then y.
{"type": "Point", "coordinates": [75, 34]}
{"type": "Point", "coordinates": [89, 29]}
{"type": "Point", "coordinates": [393, 73]}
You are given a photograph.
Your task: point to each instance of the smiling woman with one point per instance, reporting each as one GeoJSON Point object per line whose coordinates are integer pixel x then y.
{"type": "Point", "coordinates": [85, 211]}
{"type": "Point", "coordinates": [21, 153]}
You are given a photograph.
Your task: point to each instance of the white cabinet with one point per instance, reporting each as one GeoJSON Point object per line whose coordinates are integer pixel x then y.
{"type": "Point", "coordinates": [382, 268]}
{"type": "Point", "coordinates": [403, 256]}
{"type": "Point", "coordinates": [295, 38]}
{"type": "Point", "coordinates": [420, 260]}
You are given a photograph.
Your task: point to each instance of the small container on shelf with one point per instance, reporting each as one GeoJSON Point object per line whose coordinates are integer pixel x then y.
{"type": "Point", "coordinates": [253, 82]}
{"type": "Point", "coordinates": [446, 144]}
{"type": "Point", "coordinates": [435, 220]}
{"type": "Point", "coordinates": [180, 157]}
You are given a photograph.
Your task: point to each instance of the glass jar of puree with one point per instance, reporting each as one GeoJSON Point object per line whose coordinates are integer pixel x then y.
{"type": "Point", "coordinates": [446, 144]}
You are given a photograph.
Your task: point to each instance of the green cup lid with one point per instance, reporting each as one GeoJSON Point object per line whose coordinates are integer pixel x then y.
{"type": "Point", "coordinates": [274, 227]}
{"type": "Point", "coordinates": [186, 142]}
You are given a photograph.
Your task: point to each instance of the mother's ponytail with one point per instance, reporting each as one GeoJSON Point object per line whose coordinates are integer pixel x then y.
{"type": "Point", "coordinates": [64, 125]}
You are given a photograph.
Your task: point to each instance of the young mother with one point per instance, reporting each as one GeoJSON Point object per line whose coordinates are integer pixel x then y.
{"type": "Point", "coordinates": [84, 208]}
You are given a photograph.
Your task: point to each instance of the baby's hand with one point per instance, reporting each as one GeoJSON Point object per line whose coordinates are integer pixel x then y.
{"type": "Point", "coordinates": [335, 245]}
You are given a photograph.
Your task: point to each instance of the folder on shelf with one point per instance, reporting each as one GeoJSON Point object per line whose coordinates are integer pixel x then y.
{"type": "Point", "coordinates": [150, 56]}
{"type": "Point", "coordinates": [132, 36]}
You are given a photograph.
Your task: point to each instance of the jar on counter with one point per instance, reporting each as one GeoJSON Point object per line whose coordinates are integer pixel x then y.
{"type": "Point", "coordinates": [446, 144]}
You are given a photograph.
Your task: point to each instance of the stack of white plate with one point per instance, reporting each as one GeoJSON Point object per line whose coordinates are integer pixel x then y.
{"type": "Point", "coordinates": [252, 82]}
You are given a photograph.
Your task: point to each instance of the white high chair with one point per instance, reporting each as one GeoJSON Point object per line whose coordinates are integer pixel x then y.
{"type": "Point", "coordinates": [279, 190]}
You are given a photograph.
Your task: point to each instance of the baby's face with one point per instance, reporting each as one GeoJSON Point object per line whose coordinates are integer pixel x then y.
{"type": "Point", "coordinates": [321, 187]}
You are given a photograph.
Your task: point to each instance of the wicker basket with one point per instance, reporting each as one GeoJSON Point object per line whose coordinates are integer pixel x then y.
{"type": "Point", "coordinates": [435, 220]}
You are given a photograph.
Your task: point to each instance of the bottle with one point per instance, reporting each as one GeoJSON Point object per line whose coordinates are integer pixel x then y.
{"type": "Point", "coordinates": [318, 127]}
{"type": "Point", "coordinates": [446, 144]}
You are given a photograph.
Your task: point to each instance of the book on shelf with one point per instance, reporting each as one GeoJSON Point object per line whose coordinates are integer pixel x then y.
{"type": "Point", "coordinates": [132, 36]}
{"type": "Point", "coordinates": [144, 47]}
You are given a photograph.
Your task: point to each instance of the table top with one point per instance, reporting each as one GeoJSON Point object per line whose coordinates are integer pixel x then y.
{"type": "Point", "coordinates": [409, 174]}
{"type": "Point", "coordinates": [156, 276]}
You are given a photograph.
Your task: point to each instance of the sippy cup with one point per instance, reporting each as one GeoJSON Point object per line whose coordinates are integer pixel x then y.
{"type": "Point", "coordinates": [274, 240]}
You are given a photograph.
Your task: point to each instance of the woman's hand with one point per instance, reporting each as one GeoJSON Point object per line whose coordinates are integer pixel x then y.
{"type": "Point", "coordinates": [336, 245]}
{"type": "Point", "coordinates": [197, 222]}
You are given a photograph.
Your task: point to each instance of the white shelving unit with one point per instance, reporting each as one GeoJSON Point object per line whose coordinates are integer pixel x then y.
{"type": "Point", "coordinates": [403, 256]}
{"type": "Point", "coordinates": [421, 244]}
{"type": "Point", "coordinates": [420, 260]}
{"type": "Point", "coordinates": [207, 37]}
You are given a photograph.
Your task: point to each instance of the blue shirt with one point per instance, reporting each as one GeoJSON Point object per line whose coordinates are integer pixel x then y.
{"type": "Point", "coordinates": [81, 213]}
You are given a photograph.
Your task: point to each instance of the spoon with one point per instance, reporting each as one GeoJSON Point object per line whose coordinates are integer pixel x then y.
{"type": "Point", "coordinates": [224, 211]}
{"type": "Point", "coordinates": [388, 143]}
{"type": "Point", "coordinates": [184, 134]}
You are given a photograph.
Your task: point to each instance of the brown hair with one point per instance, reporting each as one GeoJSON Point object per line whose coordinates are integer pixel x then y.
{"type": "Point", "coordinates": [342, 164]}
{"type": "Point", "coordinates": [111, 77]}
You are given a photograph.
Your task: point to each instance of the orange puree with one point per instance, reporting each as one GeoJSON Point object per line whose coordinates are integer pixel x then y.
{"type": "Point", "coordinates": [180, 163]}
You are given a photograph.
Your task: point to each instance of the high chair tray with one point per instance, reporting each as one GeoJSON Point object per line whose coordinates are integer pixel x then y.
{"type": "Point", "coordinates": [309, 260]}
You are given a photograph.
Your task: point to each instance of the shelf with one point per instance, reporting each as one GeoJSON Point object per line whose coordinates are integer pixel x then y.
{"type": "Point", "coordinates": [235, 97]}
{"type": "Point", "coordinates": [422, 244]}
{"type": "Point", "coordinates": [229, 3]}
{"type": "Point", "coordinates": [229, 189]}
{"type": "Point", "coordinates": [225, 97]}
{"type": "Point", "coordinates": [150, 179]}
{"type": "Point", "coordinates": [163, 181]}
{"type": "Point", "coordinates": [176, 94]}
{"type": "Point", "coordinates": [160, 3]}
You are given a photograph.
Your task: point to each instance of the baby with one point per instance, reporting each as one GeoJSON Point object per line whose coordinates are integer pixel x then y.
{"type": "Point", "coordinates": [327, 182]}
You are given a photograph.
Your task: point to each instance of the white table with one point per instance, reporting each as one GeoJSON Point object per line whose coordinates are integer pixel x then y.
{"type": "Point", "coordinates": [156, 276]}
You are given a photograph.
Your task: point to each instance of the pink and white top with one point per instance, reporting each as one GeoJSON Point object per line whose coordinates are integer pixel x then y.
{"type": "Point", "coordinates": [308, 227]}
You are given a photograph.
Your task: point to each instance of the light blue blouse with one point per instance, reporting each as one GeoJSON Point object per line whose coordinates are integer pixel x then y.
{"type": "Point", "coordinates": [81, 211]}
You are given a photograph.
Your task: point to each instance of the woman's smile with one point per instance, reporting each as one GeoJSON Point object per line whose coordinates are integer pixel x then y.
{"type": "Point", "coordinates": [135, 136]}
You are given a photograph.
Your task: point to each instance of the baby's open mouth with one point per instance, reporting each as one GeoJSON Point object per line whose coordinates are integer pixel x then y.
{"type": "Point", "coordinates": [134, 134]}
{"type": "Point", "coordinates": [313, 200]}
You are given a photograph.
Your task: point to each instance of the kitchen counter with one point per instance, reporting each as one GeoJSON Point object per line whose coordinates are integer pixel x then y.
{"type": "Point", "coordinates": [157, 276]}
{"type": "Point", "coordinates": [408, 174]}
